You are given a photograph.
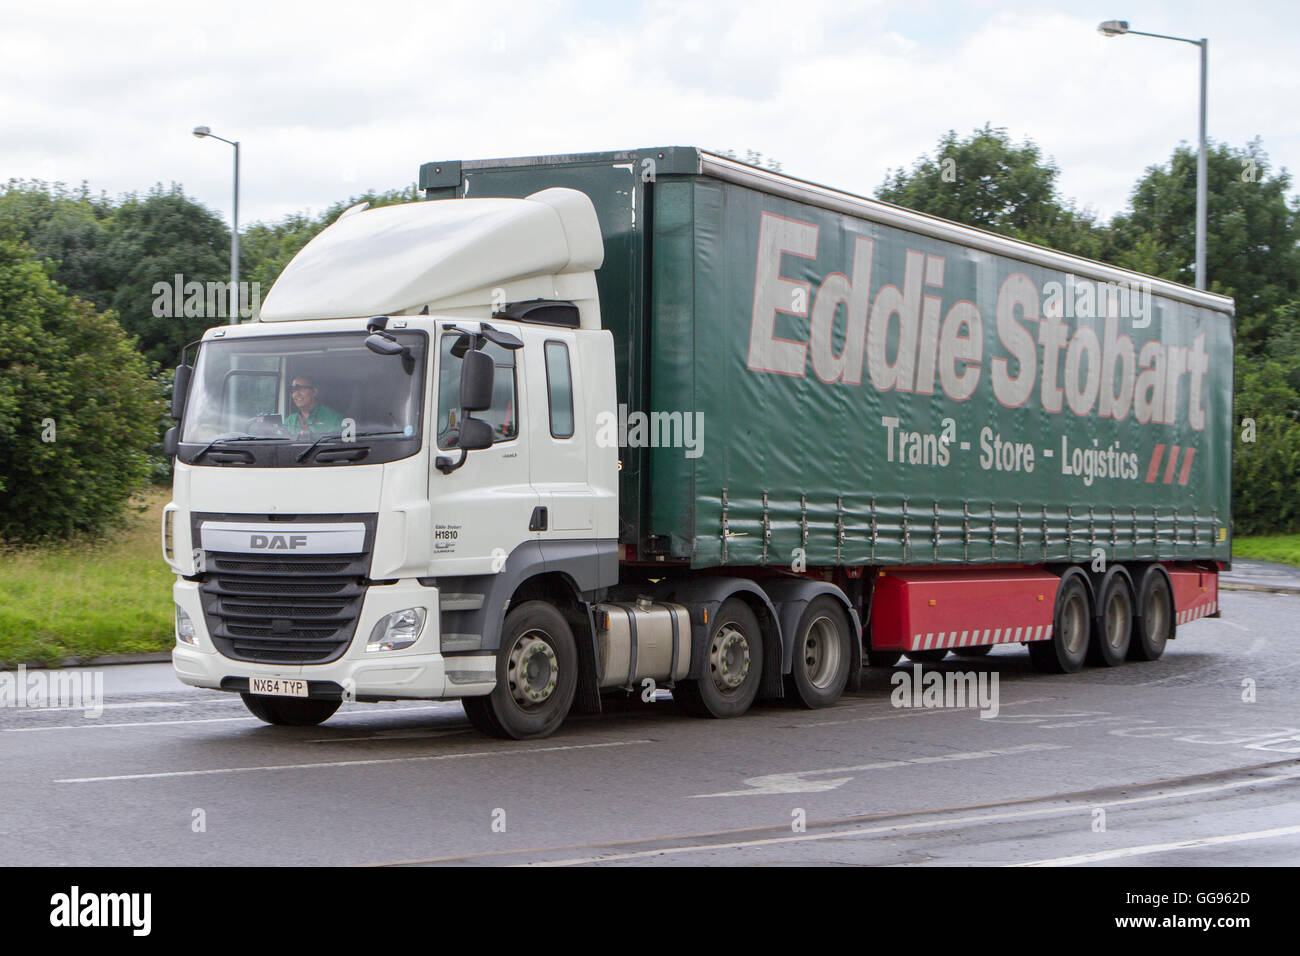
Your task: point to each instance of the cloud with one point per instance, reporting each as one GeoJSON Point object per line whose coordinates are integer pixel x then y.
{"type": "Point", "coordinates": [329, 99]}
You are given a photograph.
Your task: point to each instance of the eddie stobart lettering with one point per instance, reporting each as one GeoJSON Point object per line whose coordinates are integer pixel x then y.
{"type": "Point", "coordinates": [937, 345]}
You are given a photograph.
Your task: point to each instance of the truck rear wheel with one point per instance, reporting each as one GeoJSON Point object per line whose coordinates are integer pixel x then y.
{"type": "Point", "coordinates": [733, 665]}
{"type": "Point", "coordinates": [1155, 625]}
{"type": "Point", "coordinates": [537, 676]}
{"type": "Point", "coordinates": [290, 711]}
{"type": "Point", "coordinates": [1114, 625]}
{"type": "Point", "coordinates": [822, 651]}
{"type": "Point", "coordinates": [1067, 648]}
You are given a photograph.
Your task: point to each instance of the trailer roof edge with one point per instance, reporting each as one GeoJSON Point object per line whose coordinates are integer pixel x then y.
{"type": "Point", "coordinates": [837, 200]}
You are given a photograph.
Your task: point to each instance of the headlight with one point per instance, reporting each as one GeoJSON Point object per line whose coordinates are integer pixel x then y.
{"type": "Point", "coordinates": [397, 630]}
{"type": "Point", "coordinates": [186, 632]}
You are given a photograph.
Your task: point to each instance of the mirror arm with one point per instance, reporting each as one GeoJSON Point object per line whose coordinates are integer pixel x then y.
{"type": "Point", "coordinates": [447, 466]}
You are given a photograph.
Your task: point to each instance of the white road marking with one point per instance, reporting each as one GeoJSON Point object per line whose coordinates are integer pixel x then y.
{"type": "Point", "coordinates": [349, 763]}
{"type": "Point", "coordinates": [1123, 852]}
{"type": "Point", "coordinates": [795, 782]}
{"type": "Point", "coordinates": [914, 713]}
{"type": "Point", "coordinates": [942, 821]}
{"type": "Point", "coordinates": [95, 725]}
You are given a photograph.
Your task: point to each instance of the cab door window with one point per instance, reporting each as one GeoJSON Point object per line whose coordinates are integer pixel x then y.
{"type": "Point", "coordinates": [503, 416]}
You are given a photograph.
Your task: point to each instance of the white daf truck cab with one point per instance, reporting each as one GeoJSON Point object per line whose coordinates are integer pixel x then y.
{"type": "Point", "coordinates": [399, 451]}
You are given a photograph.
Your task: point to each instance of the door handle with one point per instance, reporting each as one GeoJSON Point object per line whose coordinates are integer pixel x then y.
{"type": "Point", "coordinates": [538, 520]}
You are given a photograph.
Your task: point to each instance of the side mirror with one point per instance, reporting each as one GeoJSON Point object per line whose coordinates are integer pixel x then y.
{"type": "Point", "coordinates": [475, 434]}
{"type": "Point", "coordinates": [382, 344]}
{"type": "Point", "coordinates": [476, 380]}
{"type": "Point", "coordinates": [171, 442]}
{"type": "Point", "coordinates": [180, 389]}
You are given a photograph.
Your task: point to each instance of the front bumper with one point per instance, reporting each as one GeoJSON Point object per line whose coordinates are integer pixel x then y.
{"type": "Point", "coordinates": [419, 672]}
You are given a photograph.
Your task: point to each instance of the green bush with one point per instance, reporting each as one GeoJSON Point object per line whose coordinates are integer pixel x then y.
{"type": "Point", "coordinates": [78, 409]}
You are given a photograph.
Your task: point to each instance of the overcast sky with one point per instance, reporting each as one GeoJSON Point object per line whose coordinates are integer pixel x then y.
{"type": "Point", "coordinates": [330, 99]}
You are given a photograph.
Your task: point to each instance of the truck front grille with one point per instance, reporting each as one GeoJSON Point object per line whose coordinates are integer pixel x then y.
{"type": "Point", "coordinates": [284, 609]}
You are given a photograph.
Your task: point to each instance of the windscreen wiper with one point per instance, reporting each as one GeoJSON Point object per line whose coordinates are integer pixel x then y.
{"type": "Point", "coordinates": [323, 438]}
{"type": "Point", "coordinates": [232, 438]}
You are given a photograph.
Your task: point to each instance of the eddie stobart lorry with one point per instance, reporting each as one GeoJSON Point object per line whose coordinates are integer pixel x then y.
{"type": "Point", "coordinates": [576, 424]}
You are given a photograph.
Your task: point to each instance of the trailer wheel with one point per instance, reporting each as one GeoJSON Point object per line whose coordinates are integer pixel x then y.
{"type": "Point", "coordinates": [883, 658]}
{"type": "Point", "coordinates": [1065, 651]}
{"type": "Point", "coordinates": [932, 656]}
{"type": "Point", "coordinates": [1114, 625]}
{"type": "Point", "coordinates": [733, 665]}
{"type": "Point", "coordinates": [981, 650]}
{"type": "Point", "coordinates": [1155, 625]}
{"type": "Point", "coordinates": [290, 711]}
{"type": "Point", "coordinates": [822, 651]}
{"type": "Point", "coordinates": [537, 676]}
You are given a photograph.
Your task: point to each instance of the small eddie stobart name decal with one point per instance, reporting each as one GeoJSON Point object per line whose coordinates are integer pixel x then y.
{"type": "Point", "coordinates": [78, 909]}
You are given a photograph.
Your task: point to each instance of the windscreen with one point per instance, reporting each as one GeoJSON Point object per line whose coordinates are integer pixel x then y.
{"type": "Point", "coordinates": [301, 388]}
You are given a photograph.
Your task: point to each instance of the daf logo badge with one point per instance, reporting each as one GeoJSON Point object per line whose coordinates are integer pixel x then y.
{"type": "Point", "coordinates": [277, 542]}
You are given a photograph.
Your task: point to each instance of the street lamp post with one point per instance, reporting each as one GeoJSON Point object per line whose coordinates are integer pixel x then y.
{"type": "Point", "coordinates": [202, 132]}
{"type": "Point", "coordinates": [1112, 28]}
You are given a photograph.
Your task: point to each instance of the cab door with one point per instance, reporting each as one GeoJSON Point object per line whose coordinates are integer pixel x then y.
{"type": "Point", "coordinates": [484, 509]}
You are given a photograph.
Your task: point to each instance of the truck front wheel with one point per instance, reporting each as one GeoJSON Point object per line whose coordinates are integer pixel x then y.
{"type": "Point", "coordinates": [537, 676]}
{"type": "Point", "coordinates": [733, 665]}
{"type": "Point", "coordinates": [290, 711]}
{"type": "Point", "coordinates": [821, 654]}
{"type": "Point", "coordinates": [1065, 650]}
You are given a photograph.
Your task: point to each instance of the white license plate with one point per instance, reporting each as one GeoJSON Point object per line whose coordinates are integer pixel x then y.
{"type": "Point", "coordinates": [277, 687]}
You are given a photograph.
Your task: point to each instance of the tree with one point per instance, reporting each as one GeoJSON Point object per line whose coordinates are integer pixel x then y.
{"type": "Point", "coordinates": [1251, 236]}
{"type": "Point", "coordinates": [77, 408]}
{"type": "Point", "coordinates": [988, 182]}
{"type": "Point", "coordinates": [152, 240]}
{"type": "Point", "coordinates": [63, 227]}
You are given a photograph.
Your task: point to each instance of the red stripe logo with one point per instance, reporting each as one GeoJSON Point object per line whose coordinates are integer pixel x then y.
{"type": "Point", "coordinates": [1154, 468]}
{"type": "Point", "coordinates": [1173, 463]}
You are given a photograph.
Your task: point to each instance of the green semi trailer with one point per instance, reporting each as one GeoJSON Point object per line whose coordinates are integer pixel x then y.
{"type": "Point", "coordinates": [693, 422]}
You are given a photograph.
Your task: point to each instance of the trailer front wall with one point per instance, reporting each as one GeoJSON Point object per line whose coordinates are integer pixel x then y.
{"type": "Point", "coordinates": [875, 396]}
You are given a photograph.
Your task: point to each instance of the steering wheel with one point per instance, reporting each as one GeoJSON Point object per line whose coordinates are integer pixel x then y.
{"type": "Point", "coordinates": [450, 438]}
{"type": "Point", "coordinates": [259, 426]}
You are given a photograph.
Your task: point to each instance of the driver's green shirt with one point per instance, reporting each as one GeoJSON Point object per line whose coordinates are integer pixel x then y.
{"type": "Point", "coordinates": [323, 420]}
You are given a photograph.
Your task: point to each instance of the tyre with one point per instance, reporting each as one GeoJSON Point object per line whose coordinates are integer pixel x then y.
{"type": "Point", "coordinates": [1153, 623]}
{"type": "Point", "coordinates": [822, 652]}
{"type": "Point", "coordinates": [981, 650]}
{"type": "Point", "coordinates": [290, 711]}
{"type": "Point", "coordinates": [928, 657]}
{"type": "Point", "coordinates": [733, 665]}
{"type": "Point", "coordinates": [1065, 651]}
{"type": "Point", "coordinates": [883, 658]}
{"type": "Point", "coordinates": [537, 676]}
{"type": "Point", "coordinates": [1113, 628]}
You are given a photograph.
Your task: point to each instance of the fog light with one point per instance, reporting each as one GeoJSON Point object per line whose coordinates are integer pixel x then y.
{"type": "Point", "coordinates": [397, 630]}
{"type": "Point", "coordinates": [186, 632]}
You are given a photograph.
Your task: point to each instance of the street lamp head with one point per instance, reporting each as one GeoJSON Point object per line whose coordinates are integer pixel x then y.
{"type": "Point", "coordinates": [1113, 28]}
{"type": "Point", "coordinates": [202, 131]}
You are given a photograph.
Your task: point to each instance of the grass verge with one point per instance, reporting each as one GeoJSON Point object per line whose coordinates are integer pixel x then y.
{"type": "Point", "coordinates": [1282, 548]}
{"type": "Point", "coordinates": [85, 599]}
